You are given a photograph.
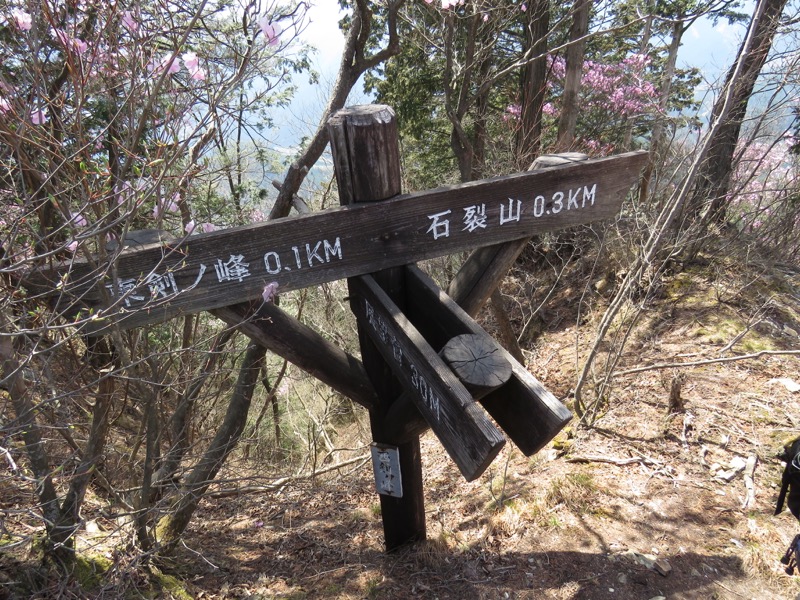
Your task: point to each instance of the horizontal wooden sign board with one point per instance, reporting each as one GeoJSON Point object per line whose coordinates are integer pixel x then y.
{"type": "Point", "coordinates": [212, 270]}
{"type": "Point", "coordinates": [461, 425]}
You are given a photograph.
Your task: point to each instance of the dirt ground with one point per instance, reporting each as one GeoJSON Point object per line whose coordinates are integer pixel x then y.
{"type": "Point", "coordinates": [643, 505]}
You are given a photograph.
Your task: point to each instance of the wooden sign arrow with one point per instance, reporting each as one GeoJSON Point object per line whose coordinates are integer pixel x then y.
{"type": "Point", "coordinates": [212, 270]}
{"type": "Point", "coordinates": [461, 425]}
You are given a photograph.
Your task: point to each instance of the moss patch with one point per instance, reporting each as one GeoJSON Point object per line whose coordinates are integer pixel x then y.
{"type": "Point", "coordinates": [169, 584]}
{"type": "Point", "coordinates": [89, 570]}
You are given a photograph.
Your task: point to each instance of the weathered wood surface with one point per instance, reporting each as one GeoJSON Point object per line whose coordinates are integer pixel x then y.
{"type": "Point", "coordinates": [529, 414]}
{"type": "Point", "coordinates": [208, 270]}
{"type": "Point", "coordinates": [461, 425]}
{"type": "Point", "coordinates": [366, 157]}
{"type": "Point", "coordinates": [287, 337]}
{"type": "Point", "coordinates": [486, 267]}
{"type": "Point", "coordinates": [477, 363]}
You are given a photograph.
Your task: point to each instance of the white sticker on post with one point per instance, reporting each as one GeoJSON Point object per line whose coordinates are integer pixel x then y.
{"type": "Point", "coordinates": [386, 465]}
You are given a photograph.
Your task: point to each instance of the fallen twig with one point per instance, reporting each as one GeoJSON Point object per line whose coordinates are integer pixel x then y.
{"type": "Point", "coordinates": [283, 481]}
{"type": "Point", "coordinates": [709, 361]}
{"type": "Point", "coordinates": [620, 462]}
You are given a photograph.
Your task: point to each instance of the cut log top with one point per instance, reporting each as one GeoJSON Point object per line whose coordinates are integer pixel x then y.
{"type": "Point", "coordinates": [556, 160]}
{"type": "Point", "coordinates": [477, 362]}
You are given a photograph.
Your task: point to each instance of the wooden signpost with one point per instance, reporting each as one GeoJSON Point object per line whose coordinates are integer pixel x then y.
{"type": "Point", "coordinates": [424, 361]}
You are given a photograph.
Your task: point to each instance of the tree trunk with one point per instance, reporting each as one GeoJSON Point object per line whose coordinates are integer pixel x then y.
{"type": "Point", "coordinates": [171, 526]}
{"type": "Point", "coordinates": [572, 78]}
{"type": "Point", "coordinates": [14, 383]}
{"type": "Point", "coordinates": [180, 421]}
{"type": "Point", "coordinates": [678, 29]}
{"type": "Point", "coordinates": [533, 84]}
{"type": "Point", "coordinates": [62, 537]}
{"type": "Point", "coordinates": [709, 198]}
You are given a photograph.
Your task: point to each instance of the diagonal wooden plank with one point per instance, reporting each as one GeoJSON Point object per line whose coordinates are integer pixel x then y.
{"type": "Point", "coordinates": [287, 337]}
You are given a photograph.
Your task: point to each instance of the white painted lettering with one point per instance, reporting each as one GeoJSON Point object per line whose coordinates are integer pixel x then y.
{"type": "Point", "coordinates": [512, 215]}
{"type": "Point", "coordinates": [272, 262]}
{"type": "Point", "coordinates": [335, 250]}
{"type": "Point", "coordinates": [434, 404]}
{"type": "Point", "coordinates": [234, 268]}
{"type": "Point", "coordinates": [297, 257]}
{"type": "Point", "coordinates": [383, 330]}
{"type": "Point", "coordinates": [312, 254]}
{"type": "Point", "coordinates": [397, 351]}
{"type": "Point", "coordinates": [439, 227]}
{"type": "Point", "coordinates": [538, 206]}
{"type": "Point", "coordinates": [370, 314]}
{"type": "Point", "coordinates": [589, 194]}
{"type": "Point", "coordinates": [558, 202]}
{"type": "Point", "coordinates": [572, 201]}
{"type": "Point", "coordinates": [474, 217]}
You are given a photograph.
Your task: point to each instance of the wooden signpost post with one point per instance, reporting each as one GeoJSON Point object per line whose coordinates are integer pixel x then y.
{"type": "Point", "coordinates": [424, 361]}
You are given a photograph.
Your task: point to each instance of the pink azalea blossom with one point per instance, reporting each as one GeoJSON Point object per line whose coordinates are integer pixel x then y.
{"type": "Point", "coordinates": [76, 44]}
{"type": "Point", "coordinates": [158, 66]}
{"type": "Point", "coordinates": [72, 246]}
{"type": "Point", "coordinates": [5, 106]}
{"type": "Point", "coordinates": [38, 117]}
{"type": "Point", "coordinates": [190, 60]}
{"type": "Point", "coordinates": [513, 112]}
{"type": "Point", "coordinates": [23, 19]}
{"type": "Point", "coordinates": [524, 7]}
{"type": "Point", "coordinates": [78, 220]}
{"type": "Point", "coordinates": [190, 227]}
{"type": "Point", "coordinates": [198, 74]}
{"type": "Point", "coordinates": [271, 31]}
{"type": "Point", "coordinates": [270, 291]}
{"type": "Point", "coordinates": [485, 17]}
{"type": "Point", "coordinates": [129, 21]}
{"type": "Point", "coordinates": [79, 45]}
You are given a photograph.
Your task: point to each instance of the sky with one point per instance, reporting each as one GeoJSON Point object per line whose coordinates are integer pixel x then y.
{"type": "Point", "coordinates": [302, 117]}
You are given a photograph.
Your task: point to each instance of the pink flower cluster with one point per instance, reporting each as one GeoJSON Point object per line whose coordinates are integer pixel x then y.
{"type": "Point", "coordinates": [271, 31]}
{"type": "Point", "coordinates": [192, 227]}
{"type": "Point", "coordinates": [513, 112]}
{"type": "Point", "coordinates": [70, 43]}
{"type": "Point", "coordinates": [270, 291]}
{"type": "Point", "coordinates": [446, 4]}
{"type": "Point", "coordinates": [620, 88]}
{"type": "Point", "coordinates": [172, 65]}
{"type": "Point", "coordinates": [167, 206]}
{"type": "Point", "coordinates": [22, 18]}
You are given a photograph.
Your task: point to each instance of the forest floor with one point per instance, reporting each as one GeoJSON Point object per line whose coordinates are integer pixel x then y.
{"type": "Point", "coordinates": [643, 505]}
